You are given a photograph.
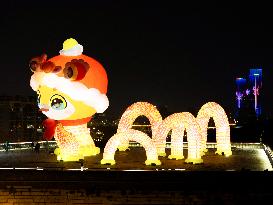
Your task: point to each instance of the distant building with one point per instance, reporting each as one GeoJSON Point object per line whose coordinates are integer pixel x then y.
{"type": "Point", "coordinates": [20, 119]}
{"type": "Point", "coordinates": [241, 88]}
{"type": "Point", "coordinates": [255, 78]}
{"type": "Point", "coordinates": [248, 94]}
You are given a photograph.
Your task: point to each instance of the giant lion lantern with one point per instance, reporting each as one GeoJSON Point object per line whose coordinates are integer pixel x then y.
{"type": "Point", "coordinates": [71, 87]}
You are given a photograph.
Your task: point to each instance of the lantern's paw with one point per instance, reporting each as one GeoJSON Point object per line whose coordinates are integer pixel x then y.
{"type": "Point", "coordinates": [69, 157]}
{"type": "Point", "coordinates": [176, 157]}
{"type": "Point", "coordinates": [57, 151]}
{"type": "Point", "coordinates": [153, 162]}
{"type": "Point", "coordinates": [194, 161]}
{"type": "Point", "coordinates": [108, 161]}
{"type": "Point", "coordinates": [89, 150]}
{"type": "Point", "coordinates": [66, 156]}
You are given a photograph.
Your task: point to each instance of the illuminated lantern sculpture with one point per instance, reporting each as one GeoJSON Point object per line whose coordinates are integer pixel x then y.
{"type": "Point", "coordinates": [125, 133]}
{"type": "Point", "coordinates": [132, 112]}
{"type": "Point", "coordinates": [124, 137]}
{"type": "Point", "coordinates": [71, 87]}
{"type": "Point", "coordinates": [178, 122]}
{"type": "Point", "coordinates": [214, 110]}
{"type": "Point", "coordinates": [196, 129]}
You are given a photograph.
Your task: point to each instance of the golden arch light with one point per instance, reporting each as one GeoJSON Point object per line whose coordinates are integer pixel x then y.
{"type": "Point", "coordinates": [132, 112]}
{"type": "Point", "coordinates": [178, 122]}
{"type": "Point", "coordinates": [214, 110]}
{"type": "Point", "coordinates": [124, 137]}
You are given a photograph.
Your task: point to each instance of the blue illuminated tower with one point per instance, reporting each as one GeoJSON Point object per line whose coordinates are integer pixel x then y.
{"type": "Point", "coordinates": [248, 95]}
{"type": "Point", "coordinates": [255, 79]}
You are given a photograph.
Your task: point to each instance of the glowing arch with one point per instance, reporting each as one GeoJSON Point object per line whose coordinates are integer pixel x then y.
{"type": "Point", "coordinates": [132, 112]}
{"type": "Point", "coordinates": [214, 110]}
{"type": "Point", "coordinates": [178, 122]}
{"type": "Point", "coordinates": [124, 137]}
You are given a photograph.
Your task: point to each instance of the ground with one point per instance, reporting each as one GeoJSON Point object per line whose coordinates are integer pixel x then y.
{"type": "Point", "coordinates": [241, 159]}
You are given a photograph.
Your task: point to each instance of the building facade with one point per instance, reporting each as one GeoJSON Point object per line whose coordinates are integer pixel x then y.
{"type": "Point", "coordinates": [20, 119]}
{"type": "Point", "coordinates": [248, 94]}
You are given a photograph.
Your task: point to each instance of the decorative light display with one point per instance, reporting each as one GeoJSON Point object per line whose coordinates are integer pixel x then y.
{"type": "Point", "coordinates": [214, 110]}
{"type": "Point", "coordinates": [179, 122]}
{"type": "Point", "coordinates": [124, 137]}
{"type": "Point", "coordinates": [196, 129]}
{"type": "Point", "coordinates": [71, 87]}
{"type": "Point", "coordinates": [135, 110]}
{"type": "Point", "coordinates": [239, 97]}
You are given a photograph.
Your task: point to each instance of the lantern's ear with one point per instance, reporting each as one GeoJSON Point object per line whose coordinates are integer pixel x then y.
{"type": "Point", "coordinates": [36, 63]}
{"type": "Point", "coordinates": [76, 69]}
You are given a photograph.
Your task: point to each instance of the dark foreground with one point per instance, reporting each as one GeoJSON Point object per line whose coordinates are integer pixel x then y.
{"type": "Point", "coordinates": [135, 187]}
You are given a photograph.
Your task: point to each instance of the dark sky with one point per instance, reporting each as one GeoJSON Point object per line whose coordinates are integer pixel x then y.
{"type": "Point", "coordinates": [165, 53]}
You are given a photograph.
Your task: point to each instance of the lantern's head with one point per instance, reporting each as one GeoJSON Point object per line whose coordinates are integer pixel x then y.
{"type": "Point", "coordinates": [70, 86]}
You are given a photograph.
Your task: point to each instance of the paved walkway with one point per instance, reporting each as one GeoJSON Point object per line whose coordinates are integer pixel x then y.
{"type": "Point", "coordinates": [248, 159]}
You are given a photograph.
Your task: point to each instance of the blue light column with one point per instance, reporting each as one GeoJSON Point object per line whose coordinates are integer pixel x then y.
{"type": "Point", "coordinates": [255, 78]}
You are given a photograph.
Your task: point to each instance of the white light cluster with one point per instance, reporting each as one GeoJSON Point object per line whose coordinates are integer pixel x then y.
{"type": "Point", "coordinates": [174, 123]}
{"type": "Point", "coordinates": [123, 137]}
{"type": "Point", "coordinates": [67, 143]}
{"type": "Point", "coordinates": [179, 122]}
{"type": "Point", "coordinates": [132, 112]}
{"type": "Point", "coordinates": [214, 110]}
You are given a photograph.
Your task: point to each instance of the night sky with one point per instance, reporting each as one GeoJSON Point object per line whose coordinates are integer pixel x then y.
{"type": "Point", "coordinates": [165, 53]}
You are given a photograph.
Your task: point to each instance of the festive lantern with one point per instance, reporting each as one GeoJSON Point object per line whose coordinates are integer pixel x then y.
{"type": "Point", "coordinates": [124, 137]}
{"type": "Point", "coordinates": [178, 122]}
{"type": "Point", "coordinates": [214, 110]}
{"type": "Point", "coordinates": [71, 87]}
{"type": "Point", "coordinates": [132, 112]}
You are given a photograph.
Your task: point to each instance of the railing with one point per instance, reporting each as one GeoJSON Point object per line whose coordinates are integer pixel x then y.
{"type": "Point", "coordinates": [269, 153]}
{"type": "Point", "coordinates": [52, 145]}
{"type": "Point", "coordinates": [12, 146]}
{"type": "Point", "coordinates": [212, 145]}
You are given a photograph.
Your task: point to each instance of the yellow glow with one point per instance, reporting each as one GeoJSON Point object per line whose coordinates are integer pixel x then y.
{"type": "Point", "coordinates": [132, 112]}
{"type": "Point", "coordinates": [178, 122]}
{"type": "Point", "coordinates": [68, 145]}
{"type": "Point", "coordinates": [74, 142]}
{"type": "Point", "coordinates": [86, 144]}
{"type": "Point", "coordinates": [69, 43]}
{"type": "Point", "coordinates": [71, 102]}
{"type": "Point", "coordinates": [124, 137]}
{"type": "Point", "coordinates": [81, 109]}
{"type": "Point", "coordinates": [214, 110]}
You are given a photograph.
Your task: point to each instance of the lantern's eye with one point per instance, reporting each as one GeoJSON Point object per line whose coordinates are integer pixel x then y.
{"type": "Point", "coordinates": [58, 102]}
